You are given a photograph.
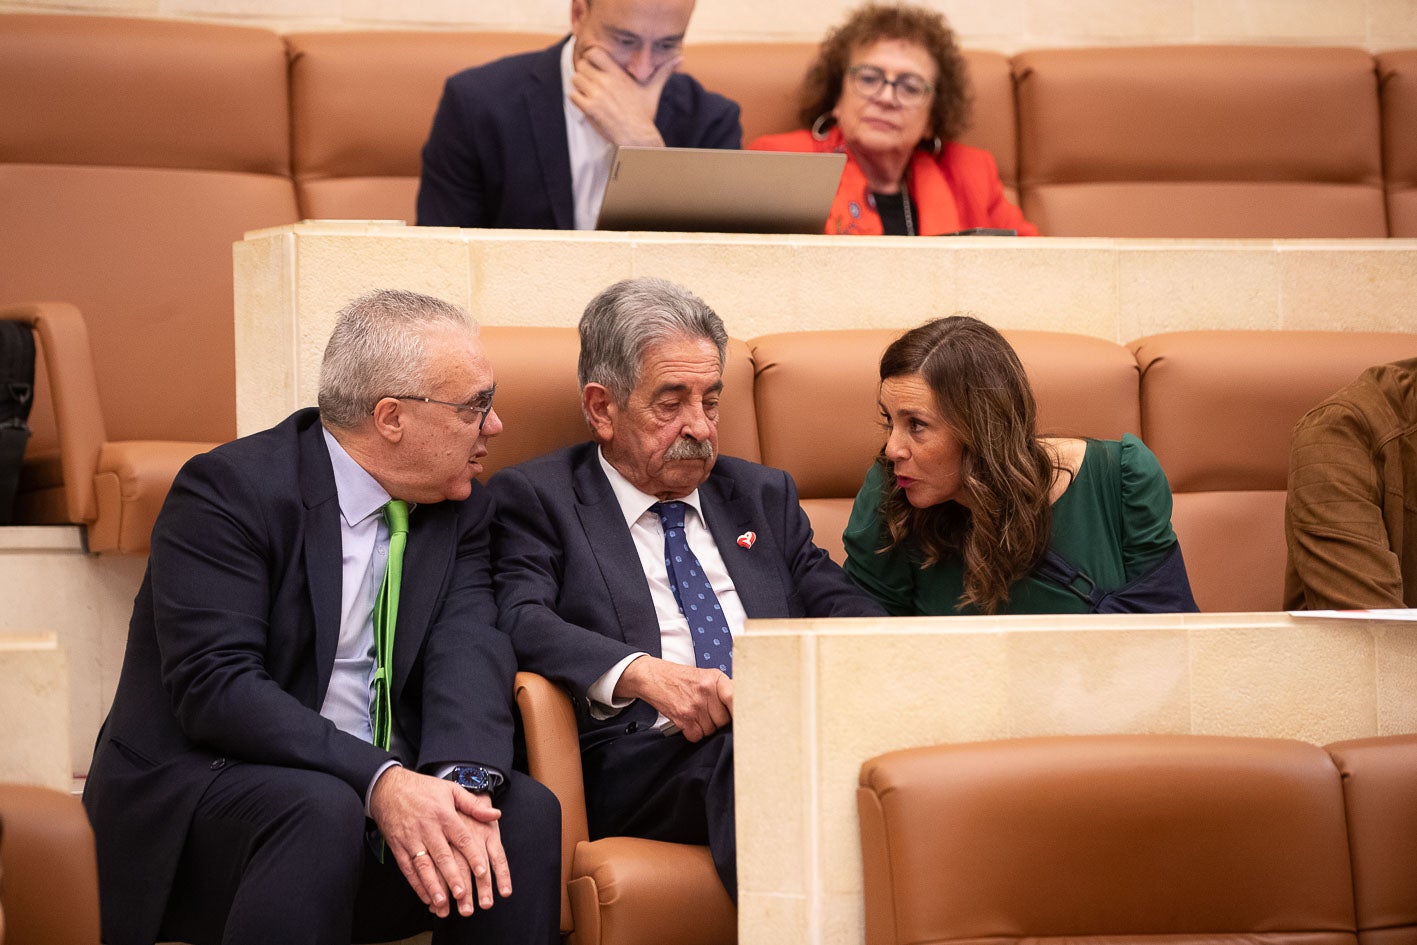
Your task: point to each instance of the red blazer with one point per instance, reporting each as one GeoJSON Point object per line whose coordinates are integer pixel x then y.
{"type": "Point", "coordinates": [954, 190]}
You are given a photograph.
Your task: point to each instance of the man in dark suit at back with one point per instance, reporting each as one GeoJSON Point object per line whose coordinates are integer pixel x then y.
{"type": "Point", "coordinates": [527, 141]}
{"type": "Point", "coordinates": [626, 565]}
{"type": "Point", "coordinates": [312, 655]}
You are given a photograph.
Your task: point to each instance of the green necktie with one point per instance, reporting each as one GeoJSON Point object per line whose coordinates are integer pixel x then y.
{"type": "Point", "coordinates": [386, 613]}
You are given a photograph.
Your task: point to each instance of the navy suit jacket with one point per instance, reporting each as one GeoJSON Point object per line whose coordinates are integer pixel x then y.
{"type": "Point", "coordinates": [497, 154]}
{"type": "Point", "coordinates": [232, 643]}
{"type": "Point", "coordinates": [570, 589]}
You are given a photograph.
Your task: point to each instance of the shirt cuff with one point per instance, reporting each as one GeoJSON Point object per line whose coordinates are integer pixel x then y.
{"type": "Point", "coordinates": [601, 693]}
{"type": "Point", "coordinates": [369, 794]}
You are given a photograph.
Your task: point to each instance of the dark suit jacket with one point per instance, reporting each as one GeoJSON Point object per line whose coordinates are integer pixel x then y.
{"type": "Point", "coordinates": [570, 589]}
{"type": "Point", "coordinates": [497, 154]}
{"type": "Point", "coordinates": [232, 643]}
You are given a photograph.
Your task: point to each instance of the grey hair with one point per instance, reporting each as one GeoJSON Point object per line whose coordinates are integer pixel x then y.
{"type": "Point", "coordinates": [632, 316]}
{"type": "Point", "coordinates": [377, 350]}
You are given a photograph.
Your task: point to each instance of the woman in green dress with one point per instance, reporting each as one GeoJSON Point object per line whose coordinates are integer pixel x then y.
{"type": "Point", "coordinates": [968, 510]}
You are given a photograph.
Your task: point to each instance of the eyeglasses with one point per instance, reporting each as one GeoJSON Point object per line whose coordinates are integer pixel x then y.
{"type": "Point", "coordinates": [479, 407]}
{"type": "Point", "coordinates": [910, 89]}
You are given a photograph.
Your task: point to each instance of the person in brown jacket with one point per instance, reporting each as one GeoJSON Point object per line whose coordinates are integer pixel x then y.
{"type": "Point", "coordinates": [1350, 519]}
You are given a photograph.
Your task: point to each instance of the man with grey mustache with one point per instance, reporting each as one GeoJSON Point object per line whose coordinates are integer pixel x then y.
{"type": "Point", "coordinates": [626, 565]}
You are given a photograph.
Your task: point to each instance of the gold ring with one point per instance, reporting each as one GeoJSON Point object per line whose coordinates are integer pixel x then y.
{"type": "Point", "coordinates": [420, 853]}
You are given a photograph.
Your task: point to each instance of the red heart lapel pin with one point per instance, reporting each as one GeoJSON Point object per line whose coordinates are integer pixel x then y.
{"type": "Point", "coordinates": [747, 538]}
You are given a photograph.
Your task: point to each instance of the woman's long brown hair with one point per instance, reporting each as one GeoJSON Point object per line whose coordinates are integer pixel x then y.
{"type": "Point", "coordinates": [983, 394]}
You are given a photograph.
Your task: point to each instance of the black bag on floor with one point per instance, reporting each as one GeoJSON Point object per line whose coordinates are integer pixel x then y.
{"type": "Point", "coordinates": [16, 395]}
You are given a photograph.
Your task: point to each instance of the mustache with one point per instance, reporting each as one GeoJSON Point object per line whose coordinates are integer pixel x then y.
{"type": "Point", "coordinates": [685, 448]}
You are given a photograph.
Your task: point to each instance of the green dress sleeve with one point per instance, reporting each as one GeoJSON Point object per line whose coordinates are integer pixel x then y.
{"type": "Point", "coordinates": [887, 576]}
{"type": "Point", "coordinates": [1146, 508]}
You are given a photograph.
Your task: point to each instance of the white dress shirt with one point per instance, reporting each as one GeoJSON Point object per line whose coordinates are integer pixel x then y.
{"type": "Point", "coordinates": [591, 154]}
{"type": "Point", "coordinates": [364, 540]}
{"type": "Point", "coordinates": [364, 543]}
{"type": "Point", "coordinates": [676, 645]}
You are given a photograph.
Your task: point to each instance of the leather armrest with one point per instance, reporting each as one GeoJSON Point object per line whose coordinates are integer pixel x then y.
{"type": "Point", "coordinates": [51, 874]}
{"type": "Point", "coordinates": [73, 388]}
{"type": "Point", "coordinates": [130, 484]}
{"type": "Point", "coordinates": [643, 892]}
{"type": "Point", "coordinates": [554, 756]}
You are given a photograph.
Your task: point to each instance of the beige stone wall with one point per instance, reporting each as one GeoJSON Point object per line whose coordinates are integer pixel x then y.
{"type": "Point", "coordinates": [34, 704]}
{"type": "Point", "coordinates": [62, 635]}
{"type": "Point", "coordinates": [1006, 25]}
{"type": "Point", "coordinates": [291, 280]}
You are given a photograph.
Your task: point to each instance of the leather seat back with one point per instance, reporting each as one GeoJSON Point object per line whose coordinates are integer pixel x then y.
{"type": "Point", "coordinates": [1218, 408]}
{"type": "Point", "coordinates": [1397, 77]}
{"type": "Point", "coordinates": [1182, 839]}
{"type": "Point", "coordinates": [1200, 141]}
{"type": "Point", "coordinates": [362, 104]}
{"type": "Point", "coordinates": [134, 153]}
{"type": "Point", "coordinates": [1380, 795]}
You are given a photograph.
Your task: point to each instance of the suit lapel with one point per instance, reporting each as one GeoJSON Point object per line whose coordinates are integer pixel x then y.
{"type": "Point", "coordinates": [754, 570]}
{"type": "Point", "coordinates": [605, 532]}
{"type": "Point", "coordinates": [546, 115]}
{"type": "Point", "coordinates": [324, 550]}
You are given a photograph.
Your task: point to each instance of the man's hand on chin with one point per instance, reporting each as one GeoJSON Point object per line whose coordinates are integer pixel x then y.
{"type": "Point", "coordinates": [622, 109]}
{"type": "Point", "coordinates": [445, 840]}
{"type": "Point", "coordinates": [698, 701]}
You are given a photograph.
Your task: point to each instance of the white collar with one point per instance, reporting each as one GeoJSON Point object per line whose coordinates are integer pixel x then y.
{"type": "Point", "coordinates": [360, 494]}
{"type": "Point", "coordinates": [634, 503]}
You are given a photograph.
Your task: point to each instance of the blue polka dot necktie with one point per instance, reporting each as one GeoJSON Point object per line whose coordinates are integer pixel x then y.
{"type": "Point", "coordinates": [713, 643]}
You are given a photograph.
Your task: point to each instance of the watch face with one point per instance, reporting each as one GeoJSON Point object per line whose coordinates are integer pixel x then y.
{"type": "Point", "coordinates": [474, 778]}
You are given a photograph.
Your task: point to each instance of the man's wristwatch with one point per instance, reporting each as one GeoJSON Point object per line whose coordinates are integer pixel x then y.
{"type": "Point", "coordinates": [477, 779]}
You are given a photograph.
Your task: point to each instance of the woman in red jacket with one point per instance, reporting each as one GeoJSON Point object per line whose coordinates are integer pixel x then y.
{"type": "Point", "coordinates": [889, 88]}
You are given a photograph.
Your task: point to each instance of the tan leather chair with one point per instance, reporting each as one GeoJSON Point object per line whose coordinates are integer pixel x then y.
{"type": "Point", "coordinates": [1125, 839]}
{"type": "Point", "coordinates": [816, 404]}
{"type": "Point", "coordinates": [1218, 408]}
{"type": "Point", "coordinates": [1397, 79]}
{"type": "Point", "coordinates": [361, 107]}
{"type": "Point", "coordinates": [619, 890]}
{"type": "Point", "coordinates": [135, 153]}
{"type": "Point", "coordinates": [993, 123]}
{"type": "Point", "coordinates": [1380, 796]}
{"type": "Point", "coordinates": [1200, 141]}
{"type": "Point", "coordinates": [50, 889]}
{"type": "Point", "coordinates": [73, 472]}
{"type": "Point", "coordinates": [765, 85]}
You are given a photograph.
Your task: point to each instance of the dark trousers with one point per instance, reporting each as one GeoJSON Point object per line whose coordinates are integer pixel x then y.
{"type": "Point", "coordinates": [665, 787]}
{"type": "Point", "coordinates": [279, 855]}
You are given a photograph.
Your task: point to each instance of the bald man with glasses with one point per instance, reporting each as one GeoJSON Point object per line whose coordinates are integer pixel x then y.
{"type": "Point", "coordinates": [311, 740]}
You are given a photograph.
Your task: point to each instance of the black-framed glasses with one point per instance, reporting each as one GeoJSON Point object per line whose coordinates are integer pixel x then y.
{"type": "Point", "coordinates": [911, 91]}
{"type": "Point", "coordinates": [473, 411]}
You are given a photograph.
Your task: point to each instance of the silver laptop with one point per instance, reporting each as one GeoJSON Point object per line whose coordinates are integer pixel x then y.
{"type": "Point", "coordinates": [705, 190]}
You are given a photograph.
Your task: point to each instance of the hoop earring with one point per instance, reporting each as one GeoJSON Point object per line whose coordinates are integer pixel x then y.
{"type": "Point", "coordinates": [822, 125]}
{"type": "Point", "coordinates": [938, 146]}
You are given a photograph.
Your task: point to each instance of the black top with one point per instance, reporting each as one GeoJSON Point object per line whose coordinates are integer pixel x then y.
{"type": "Point", "coordinates": [891, 208]}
